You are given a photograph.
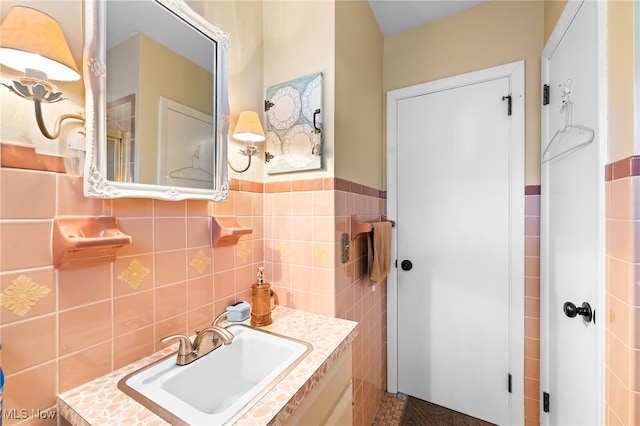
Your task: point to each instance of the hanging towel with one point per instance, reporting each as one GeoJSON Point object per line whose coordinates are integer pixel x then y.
{"type": "Point", "coordinates": [381, 250]}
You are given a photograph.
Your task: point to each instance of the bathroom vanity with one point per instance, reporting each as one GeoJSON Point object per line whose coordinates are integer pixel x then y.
{"type": "Point", "coordinates": [318, 388]}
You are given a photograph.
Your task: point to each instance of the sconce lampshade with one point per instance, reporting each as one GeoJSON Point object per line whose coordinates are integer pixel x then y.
{"type": "Point", "coordinates": [30, 39]}
{"type": "Point", "coordinates": [249, 129]}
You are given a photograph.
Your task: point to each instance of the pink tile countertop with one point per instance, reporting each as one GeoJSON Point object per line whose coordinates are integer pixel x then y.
{"type": "Point", "coordinates": [100, 402]}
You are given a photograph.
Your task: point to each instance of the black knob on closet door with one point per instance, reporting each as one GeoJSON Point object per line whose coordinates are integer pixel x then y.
{"type": "Point", "coordinates": [406, 265]}
{"type": "Point", "coordinates": [572, 311]}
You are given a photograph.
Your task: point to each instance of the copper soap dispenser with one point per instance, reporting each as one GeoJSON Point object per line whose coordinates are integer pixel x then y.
{"type": "Point", "coordinates": [261, 301]}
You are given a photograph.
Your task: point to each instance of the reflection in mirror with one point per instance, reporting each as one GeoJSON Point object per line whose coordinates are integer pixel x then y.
{"type": "Point", "coordinates": [161, 110]}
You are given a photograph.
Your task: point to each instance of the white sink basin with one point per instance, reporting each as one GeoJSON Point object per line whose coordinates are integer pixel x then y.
{"type": "Point", "coordinates": [222, 385]}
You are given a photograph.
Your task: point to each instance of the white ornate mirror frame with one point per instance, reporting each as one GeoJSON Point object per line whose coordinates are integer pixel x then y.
{"type": "Point", "coordinates": [96, 183]}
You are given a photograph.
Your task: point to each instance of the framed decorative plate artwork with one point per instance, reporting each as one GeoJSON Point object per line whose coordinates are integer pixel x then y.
{"type": "Point", "coordinates": [294, 125]}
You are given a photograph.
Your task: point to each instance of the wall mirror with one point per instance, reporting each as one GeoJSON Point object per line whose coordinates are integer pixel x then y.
{"type": "Point", "coordinates": [156, 96]}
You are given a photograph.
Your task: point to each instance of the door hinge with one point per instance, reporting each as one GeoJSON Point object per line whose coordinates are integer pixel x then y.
{"type": "Point", "coordinates": [510, 380]}
{"type": "Point", "coordinates": [545, 402]}
{"type": "Point", "coordinates": [508, 98]}
{"type": "Point", "coordinates": [545, 94]}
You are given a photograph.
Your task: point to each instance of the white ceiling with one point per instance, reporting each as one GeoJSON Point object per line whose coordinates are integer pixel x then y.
{"type": "Point", "coordinates": [395, 16]}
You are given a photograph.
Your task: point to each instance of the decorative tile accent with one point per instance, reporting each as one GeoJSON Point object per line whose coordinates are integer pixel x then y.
{"type": "Point", "coordinates": [327, 184]}
{"type": "Point", "coordinates": [134, 274]}
{"type": "Point", "coordinates": [322, 254]}
{"type": "Point", "coordinates": [282, 251]}
{"type": "Point", "coordinates": [244, 252]}
{"type": "Point", "coordinates": [621, 169]}
{"type": "Point", "coordinates": [532, 190]}
{"type": "Point", "coordinates": [201, 261]}
{"type": "Point", "coordinates": [22, 294]}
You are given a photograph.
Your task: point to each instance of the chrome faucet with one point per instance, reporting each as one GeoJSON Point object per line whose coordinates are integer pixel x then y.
{"type": "Point", "coordinates": [202, 345]}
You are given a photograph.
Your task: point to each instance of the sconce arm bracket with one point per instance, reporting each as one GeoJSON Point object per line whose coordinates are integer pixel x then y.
{"type": "Point", "coordinates": [58, 124]}
{"type": "Point", "coordinates": [243, 170]}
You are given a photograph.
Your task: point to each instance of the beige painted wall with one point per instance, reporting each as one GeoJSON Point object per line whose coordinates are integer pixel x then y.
{"type": "Point", "coordinates": [273, 42]}
{"type": "Point", "coordinates": [299, 39]}
{"type": "Point", "coordinates": [359, 114]}
{"type": "Point", "coordinates": [17, 119]}
{"type": "Point", "coordinates": [167, 74]}
{"type": "Point", "coordinates": [493, 33]}
{"type": "Point", "coordinates": [552, 11]}
{"type": "Point", "coordinates": [243, 21]}
{"type": "Point", "coordinates": [123, 63]}
{"type": "Point", "coordinates": [620, 79]}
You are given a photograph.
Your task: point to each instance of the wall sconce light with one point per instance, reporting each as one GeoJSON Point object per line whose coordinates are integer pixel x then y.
{"type": "Point", "coordinates": [32, 42]}
{"type": "Point", "coordinates": [248, 130]}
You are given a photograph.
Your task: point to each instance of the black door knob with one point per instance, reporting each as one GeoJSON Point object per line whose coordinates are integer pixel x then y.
{"type": "Point", "coordinates": [406, 265]}
{"type": "Point", "coordinates": [572, 311]}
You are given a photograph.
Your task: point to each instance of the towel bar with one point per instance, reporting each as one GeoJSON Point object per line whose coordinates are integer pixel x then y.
{"type": "Point", "coordinates": [358, 227]}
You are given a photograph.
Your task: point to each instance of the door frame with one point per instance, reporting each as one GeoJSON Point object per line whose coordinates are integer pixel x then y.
{"type": "Point", "coordinates": [636, 60]}
{"type": "Point", "coordinates": [565, 20]}
{"type": "Point", "coordinates": [515, 72]}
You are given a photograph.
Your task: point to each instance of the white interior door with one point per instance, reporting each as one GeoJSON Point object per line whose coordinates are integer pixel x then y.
{"type": "Point", "coordinates": [185, 146]}
{"type": "Point", "coordinates": [459, 213]}
{"type": "Point", "coordinates": [572, 212]}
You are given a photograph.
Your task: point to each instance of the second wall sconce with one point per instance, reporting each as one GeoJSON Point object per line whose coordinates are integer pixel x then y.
{"type": "Point", "coordinates": [248, 130]}
{"type": "Point", "coordinates": [32, 42]}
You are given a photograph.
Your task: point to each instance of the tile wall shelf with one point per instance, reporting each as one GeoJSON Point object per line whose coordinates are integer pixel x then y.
{"type": "Point", "coordinates": [80, 241]}
{"type": "Point", "coordinates": [226, 231]}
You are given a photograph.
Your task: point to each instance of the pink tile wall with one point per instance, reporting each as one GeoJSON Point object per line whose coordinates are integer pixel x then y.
{"type": "Point", "coordinates": [622, 335]}
{"type": "Point", "coordinates": [300, 248]}
{"type": "Point", "coordinates": [87, 322]}
{"type": "Point", "coordinates": [302, 228]}
{"type": "Point", "coordinates": [358, 300]}
{"type": "Point", "coordinates": [532, 306]}
{"type": "Point", "coordinates": [92, 320]}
